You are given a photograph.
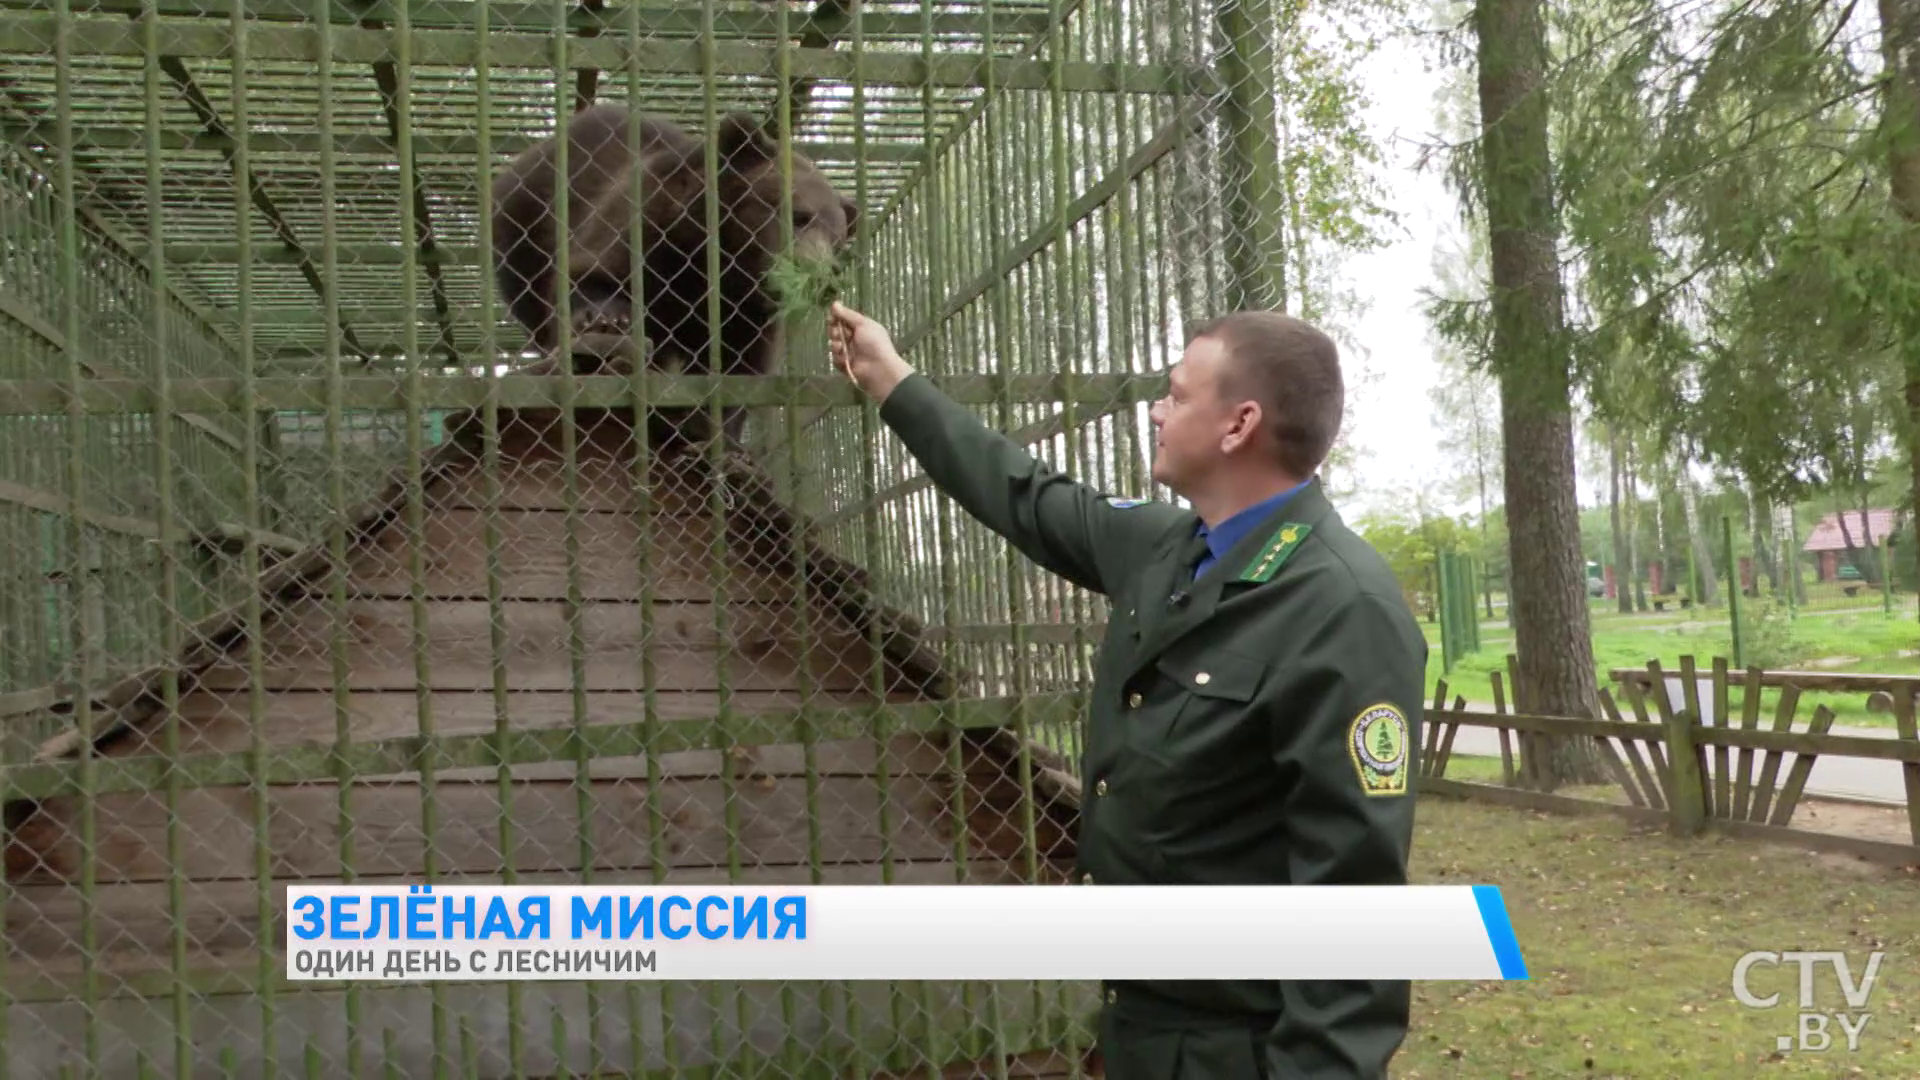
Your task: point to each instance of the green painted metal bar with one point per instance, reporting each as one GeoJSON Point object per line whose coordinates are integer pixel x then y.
{"type": "Point", "coordinates": [493, 530]}
{"type": "Point", "coordinates": [109, 35]}
{"type": "Point", "coordinates": [412, 207]}
{"type": "Point", "coordinates": [34, 397]}
{"type": "Point", "coordinates": [717, 490]}
{"type": "Point", "coordinates": [908, 575]}
{"type": "Point", "coordinates": [11, 615]}
{"type": "Point", "coordinates": [998, 317]}
{"type": "Point", "coordinates": [336, 482]}
{"type": "Point", "coordinates": [794, 1057]}
{"type": "Point", "coordinates": [643, 489]}
{"type": "Point", "coordinates": [648, 20]}
{"type": "Point", "coordinates": [561, 58]}
{"type": "Point", "coordinates": [427, 147]}
{"type": "Point", "coordinates": [386, 392]}
{"type": "Point", "coordinates": [1071, 345]}
{"type": "Point", "coordinates": [161, 427]}
{"type": "Point", "coordinates": [936, 358]}
{"type": "Point", "coordinates": [82, 653]}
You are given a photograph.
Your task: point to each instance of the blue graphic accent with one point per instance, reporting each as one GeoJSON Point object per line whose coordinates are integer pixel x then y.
{"type": "Point", "coordinates": [1506, 947]}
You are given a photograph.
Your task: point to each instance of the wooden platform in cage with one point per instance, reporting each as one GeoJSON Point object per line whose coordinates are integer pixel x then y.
{"type": "Point", "coordinates": [916, 805]}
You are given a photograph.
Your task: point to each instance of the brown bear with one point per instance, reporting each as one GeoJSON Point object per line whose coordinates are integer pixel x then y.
{"type": "Point", "coordinates": [670, 165]}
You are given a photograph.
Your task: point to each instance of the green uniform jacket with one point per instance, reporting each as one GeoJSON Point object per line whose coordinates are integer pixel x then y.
{"type": "Point", "coordinates": [1256, 726]}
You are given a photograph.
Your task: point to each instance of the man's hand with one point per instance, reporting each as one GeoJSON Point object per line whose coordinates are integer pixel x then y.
{"type": "Point", "coordinates": [863, 350]}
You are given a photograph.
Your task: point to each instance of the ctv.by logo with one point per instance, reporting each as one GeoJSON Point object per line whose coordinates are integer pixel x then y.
{"type": "Point", "coordinates": [1810, 1033]}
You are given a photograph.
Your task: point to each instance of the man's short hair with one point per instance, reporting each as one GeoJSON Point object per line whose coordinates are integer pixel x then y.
{"type": "Point", "coordinates": [1293, 370]}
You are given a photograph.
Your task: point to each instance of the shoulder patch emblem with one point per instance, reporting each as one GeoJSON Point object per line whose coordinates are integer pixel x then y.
{"type": "Point", "coordinates": [1377, 743]}
{"type": "Point", "coordinates": [1272, 557]}
{"type": "Point", "coordinates": [1121, 503]}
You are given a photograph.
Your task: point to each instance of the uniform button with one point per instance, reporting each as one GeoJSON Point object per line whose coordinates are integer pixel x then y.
{"type": "Point", "coordinates": [1100, 788]}
{"type": "Point", "coordinates": [1086, 879]}
{"type": "Point", "coordinates": [1133, 700]}
{"type": "Point", "coordinates": [1203, 678]}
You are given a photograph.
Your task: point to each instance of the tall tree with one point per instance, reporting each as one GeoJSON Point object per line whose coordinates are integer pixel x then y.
{"type": "Point", "coordinates": [1529, 356]}
{"type": "Point", "coordinates": [1733, 207]}
{"type": "Point", "coordinates": [1900, 49]}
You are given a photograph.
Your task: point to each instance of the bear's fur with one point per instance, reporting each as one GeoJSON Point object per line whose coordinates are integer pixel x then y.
{"type": "Point", "coordinates": [670, 165]}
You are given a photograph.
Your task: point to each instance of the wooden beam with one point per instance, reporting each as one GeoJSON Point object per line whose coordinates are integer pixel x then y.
{"type": "Point", "coordinates": [1854, 746]}
{"type": "Point", "coordinates": [1816, 681]}
{"type": "Point", "coordinates": [1879, 851]}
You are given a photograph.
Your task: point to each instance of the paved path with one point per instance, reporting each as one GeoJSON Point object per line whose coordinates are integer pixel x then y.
{"type": "Point", "coordinates": [1854, 778]}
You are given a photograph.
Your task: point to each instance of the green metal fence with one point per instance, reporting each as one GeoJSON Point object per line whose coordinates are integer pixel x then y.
{"type": "Point", "coordinates": [339, 591]}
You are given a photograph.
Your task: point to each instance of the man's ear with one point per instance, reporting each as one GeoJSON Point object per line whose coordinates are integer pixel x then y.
{"type": "Point", "coordinates": [742, 142]}
{"type": "Point", "coordinates": [1247, 419]}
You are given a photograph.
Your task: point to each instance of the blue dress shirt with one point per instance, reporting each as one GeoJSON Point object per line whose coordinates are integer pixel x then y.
{"type": "Point", "coordinates": [1221, 538]}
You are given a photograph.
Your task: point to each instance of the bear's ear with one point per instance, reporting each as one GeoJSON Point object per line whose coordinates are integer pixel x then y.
{"type": "Point", "coordinates": [852, 210]}
{"type": "Point", "coordinates": [742, 142]}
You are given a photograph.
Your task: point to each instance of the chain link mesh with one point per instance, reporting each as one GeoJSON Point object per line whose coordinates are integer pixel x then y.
{"type": "Point", "coordinates": [297, 533]}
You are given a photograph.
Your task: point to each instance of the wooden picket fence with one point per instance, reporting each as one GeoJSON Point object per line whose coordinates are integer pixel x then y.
{"type": "Point", "coordinates": [1683, 758]}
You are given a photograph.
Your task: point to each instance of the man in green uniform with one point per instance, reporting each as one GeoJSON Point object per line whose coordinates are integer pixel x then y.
{"type": "Point", "coordinates": [1257, 699]}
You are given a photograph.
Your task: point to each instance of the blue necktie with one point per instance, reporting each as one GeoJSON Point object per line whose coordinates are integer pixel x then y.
{"type": "Point", "coordinates": [1206, 553]}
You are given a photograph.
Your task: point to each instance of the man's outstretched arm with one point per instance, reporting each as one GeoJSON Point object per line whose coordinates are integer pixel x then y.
{"type": "Point", "coordinates": [1065, 526]}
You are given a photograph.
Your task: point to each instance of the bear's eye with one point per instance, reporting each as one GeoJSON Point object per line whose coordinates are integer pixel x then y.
{"type": "Point", "coordinates": [802, 219]}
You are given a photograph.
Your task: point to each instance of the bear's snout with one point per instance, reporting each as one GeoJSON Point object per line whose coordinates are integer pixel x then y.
{"type": "Point", "coordinates": [814, 245]}
{"type": "Point", "coordinates": [601, 305]}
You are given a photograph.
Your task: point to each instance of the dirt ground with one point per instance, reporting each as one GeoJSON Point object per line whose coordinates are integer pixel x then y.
{"type": "Point", "coordinates": [1887, 823]}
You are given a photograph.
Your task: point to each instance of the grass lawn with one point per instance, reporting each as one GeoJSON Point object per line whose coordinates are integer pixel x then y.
{"type": "Point", "coordinates": [1630, 937]}
{"type": "Point", "coordinates": [1863, 640]}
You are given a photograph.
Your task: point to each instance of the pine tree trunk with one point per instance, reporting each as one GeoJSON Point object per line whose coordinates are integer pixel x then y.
{"type": "Point", "coordinates": [1480, 467]}
{"type": "Point", "coordinates": [1763, 562]}
{"type": "Point", "coordinates": [1660, 526]}
{"type": "Point", "coordinates": [1623, 591]}
{"type": "Point", "coordinates": [1697, 535]}
{"type": "Point", "coordinates": [1633, 532]}
{"type": "Point", "coordinates": [1900, 46]}
{"type": "Point", "coordinates": [1546, 586]}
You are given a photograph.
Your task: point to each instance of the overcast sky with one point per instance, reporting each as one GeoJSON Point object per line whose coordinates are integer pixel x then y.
{"type": "Point", "coordinates": [1392, 416]}
{"type": "Point", "coordinates": [1393, 419]}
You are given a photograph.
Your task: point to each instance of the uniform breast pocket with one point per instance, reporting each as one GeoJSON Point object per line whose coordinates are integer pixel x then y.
{"type": "Point", "coordinates": [1199, 716]}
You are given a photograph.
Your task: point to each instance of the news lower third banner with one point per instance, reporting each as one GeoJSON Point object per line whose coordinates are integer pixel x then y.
{"type": "Point", "coordinates": [420, 933]}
